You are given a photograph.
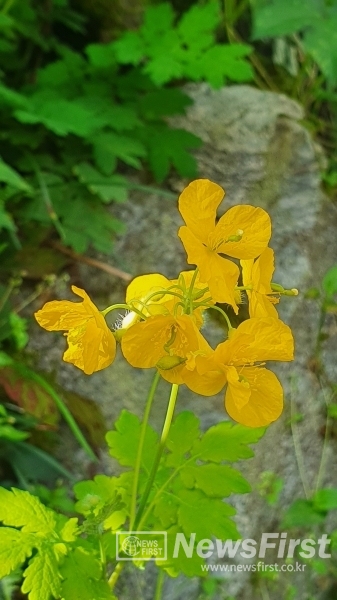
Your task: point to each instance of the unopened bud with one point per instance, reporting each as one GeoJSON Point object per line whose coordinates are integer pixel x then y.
{"type": "Point", "coordinates": [169, 362]}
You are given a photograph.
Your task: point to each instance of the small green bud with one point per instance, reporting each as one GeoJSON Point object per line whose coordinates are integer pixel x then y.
{"type": "Point", "coordinates": [169, 362]}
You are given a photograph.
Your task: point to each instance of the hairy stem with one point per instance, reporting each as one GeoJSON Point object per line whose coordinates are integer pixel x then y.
{"type": "Point", "coordinates": [162, 443]}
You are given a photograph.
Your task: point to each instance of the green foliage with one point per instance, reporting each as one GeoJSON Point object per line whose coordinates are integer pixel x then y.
{"type": "Point", "coordinates": [186, 50]}
{"type": "Point", "coordinates": [59, 565]}
{"type": "Point", "coordinates": [191, 482]}
{"type": "Point", "coordinates": [68, 560]}
{"type": "Point", "coordinates": [315, 20]}
{"type": "Point", "coordinates": [74, 126]}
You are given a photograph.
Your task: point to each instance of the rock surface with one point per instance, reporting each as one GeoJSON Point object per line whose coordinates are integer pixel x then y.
{"type": "Point", "coordinates": [256, 148]}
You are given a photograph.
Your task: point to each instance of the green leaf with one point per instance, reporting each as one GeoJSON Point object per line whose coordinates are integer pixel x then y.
{"type": "Point", "coordinates": [183, 433]}
{"type": "Point", "coordinates": [226, 61]}
{"type": "Point", "coordinates": [42, 578]}
{"type": "Point", "coordinates": [15, 547]}
{"type": "Point", "coordinates": [12, 98]}
{"type": "Point", "coordinates": [329, 282]}
{"type": "Point", "coordinates": [273, 19]}
{"type": "Point", "coordinates": [164, 66]}
{"type": "Point", "coordinates": [189, 566]}
{"type": "Point", "coordinates": [129, 48]}
{"type": "Point", "coordinates": [164, 102]}
{"type": "Point", "coordinates": [82, 578]}
{"type": "Point", "coordinates": [197, 25]}
{"type": "Point", "coordinates": [107, 188]}
{"type": "Point", "coordinates": [20, 509]}
{"type": "Point", "coordinates": [228, 442]}
{"type": "Point", "coordinates": [110, 146]}
{"type": "Point", "coordinates": [6, 221]}
{"type": "Point", "coordinates": [11, 177]}
{"type": "Point", "coordinates": [325, 499]}
{"type": "Point", "coordinates": [59, 115]}
{"type": "Point", "coordinates": [123, 443]}
{"type": "Point", "coordinates": [170, 147]}
{"type": "Point", "coordinates": [101, 56]}
{"type": "Point", "coordinates": [206, 517]}
{"type": "Point", "coordinates": [18, 326]}
{"type": "Point", "coordinates": [157, 21]}
{"type": "Point", "coordinates": [97, 495]}
{"type": "Point", "coordinates": [321, 43]}
{"type": "Point", "coordinates": [215, 480]}
{"type": "Point", "coordinates": [302, 514]}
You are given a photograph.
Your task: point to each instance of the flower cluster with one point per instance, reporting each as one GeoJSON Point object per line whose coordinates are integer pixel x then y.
{"type": "Point", "coordinates": [162, 326]}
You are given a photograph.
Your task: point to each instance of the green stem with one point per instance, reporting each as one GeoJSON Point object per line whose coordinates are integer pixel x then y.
{"type": "Point", "coordinates": [229, 325]}
{"type": "Point", "coordinates": [114, 575]}
{"type": "Point", "coordinates": [190, 291]}
{"type": "Point", "coordinates": [164, 486]}
{"type": "Point", "coordinates": [159, 585]}
{"type": "Point", "coordinates": [162, 443]}
{"type": "Point", "coordinates": [298, 450]}
{"type": "Point", "coordinates": [10, 287]}
{"type": "Point", "coordinates": [140, 447]}
{"type": "Point", "coordinates": [114, 307]}
{"type": "Point", "coordinates": [322, 465]}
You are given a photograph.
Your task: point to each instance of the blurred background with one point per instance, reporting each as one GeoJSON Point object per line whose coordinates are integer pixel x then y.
{"type": "Point", "coordinates": [108, 109]}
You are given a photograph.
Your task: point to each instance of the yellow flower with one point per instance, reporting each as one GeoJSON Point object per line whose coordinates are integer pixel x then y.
{"type": "Point", "coordinates": [91, 344]}
{"type": "Point", "coordinates": [254, 395]}
{"type": "Point", "coordinates": [242, 232]}
{"type": "Point", "coordinates": [154, 294]}
{"type": "Point", "coordinates": [175, 346]}
{"type": "Point", "coordinates": [257, 275]}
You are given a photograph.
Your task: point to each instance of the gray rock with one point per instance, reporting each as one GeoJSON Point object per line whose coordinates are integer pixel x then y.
{"type": "Point", "coordinates": [255, 147]}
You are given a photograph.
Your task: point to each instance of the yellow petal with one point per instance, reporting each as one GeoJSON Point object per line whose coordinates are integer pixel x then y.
{"type": "Point", "coordinates": [92, 347]}
{"type": "Point", "coordinates": [257, 340]}
{"type": "Point", "coordinates": [146, 343]}
{"type": "Point", "coordinates": [198, 372]}
{"type": "Point", "coordinates": [247, 271]}
{"type": "Point", "coordinates": [265, 403]}
{"type": "Point", "coordinates": [198, 204]}
{"type": "Point", "coordinates": [255, 225]}
{"type": "Point", "coordinates": [62, 315]}
{"type": "Point", "coordinates": [208, 383]}
{"type": "Point", "coordinates": [143, 344]}
{"type": "Point", "coordinates": [91, 344]}
{"type": "Point", "coordinates": [220, 274]}
{"type": "Point", "coordinates": [144, 285]}
{"type": "Point", "coordinates": [263, 271]}
{"type": "Point", "coordinates": [238, 386]}
{"type": "Point", "coordinates": [260, 306]}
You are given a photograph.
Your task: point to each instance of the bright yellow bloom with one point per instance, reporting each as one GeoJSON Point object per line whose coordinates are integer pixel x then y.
{"type": "Point", "coordinates": [91, 344]}
{"type": "Point", "coordinates": [257, 276]}
{"type": "Point", "coordinates": [175, 346]}
{"type": "Point", "coordinates": [242, 232]}
{"type": "Point", "coordinates": [254, 395]}
{"type": "Point", "coordinates": [154, 294]}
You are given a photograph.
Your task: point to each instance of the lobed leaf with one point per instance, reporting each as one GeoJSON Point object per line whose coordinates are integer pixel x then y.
{"type": "Point", "coordinates": [206, 517]}
{"type": "Point", "coordinates": [227, 442]}
{"type": "Point", "coordinates": [123, 443]}
{"type": "Point", "coordinates": [42, 578]}
{"type": "Point", "coordinates": [20, 509]}
{"type": "Point", "coordinates": [183, 433]}
{"type": "Point", "coordinates": [82, 578]}
{"type": "Point", "coordinates": [15, 547]}
{"type": "Point", "coordinates": [215, 480]}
